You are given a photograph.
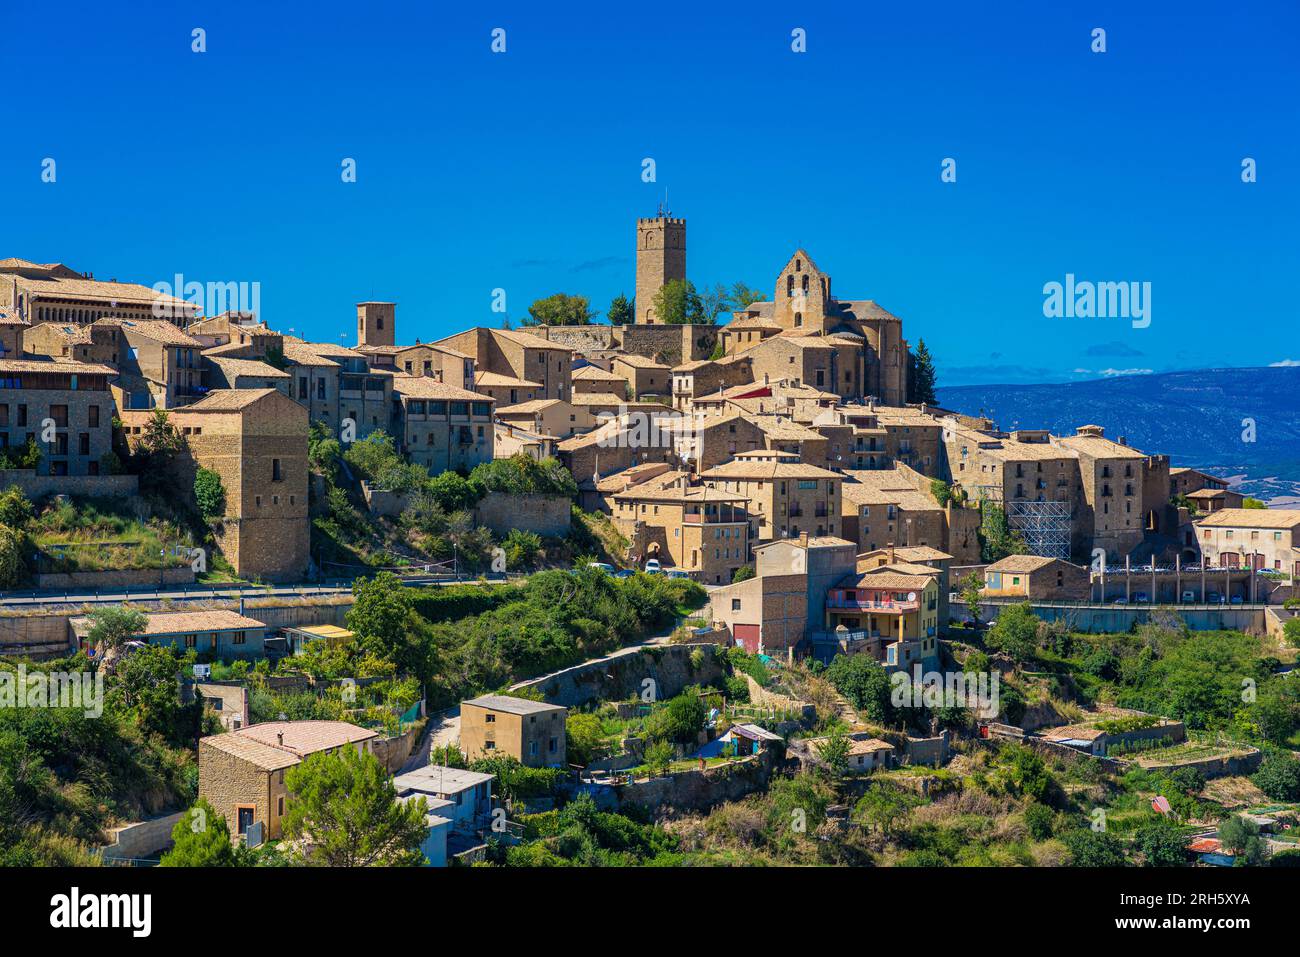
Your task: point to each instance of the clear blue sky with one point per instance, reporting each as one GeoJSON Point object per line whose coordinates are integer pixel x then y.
{"type": "Point", "coordinates": [522, 170]}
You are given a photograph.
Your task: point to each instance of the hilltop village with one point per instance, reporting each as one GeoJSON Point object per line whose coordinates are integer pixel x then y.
{"type": "Point", "coordinates": [630, 580]}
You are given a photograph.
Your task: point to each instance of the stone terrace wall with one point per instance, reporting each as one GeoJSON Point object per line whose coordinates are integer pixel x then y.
{"type": "Point", "coordinates": [621, 676]}
{"type": "Point", "coordinates": [121, 578]}
{"type": "Point", "coordinates": [547, 515]}
{"type": "Point", "coordinates": [35, 486]}
{"type": "Point", "coordinates": [700, 790]}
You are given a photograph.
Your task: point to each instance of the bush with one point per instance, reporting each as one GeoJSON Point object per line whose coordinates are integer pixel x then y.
{"type": "Point", "coordinates": [209, 494]}
{"type": "Point", "coordinates": [1038, 820]}
{"type": "Point", "coordinates": [15, 509]}
{"type": "Point", "coordinates": [1279, 776]}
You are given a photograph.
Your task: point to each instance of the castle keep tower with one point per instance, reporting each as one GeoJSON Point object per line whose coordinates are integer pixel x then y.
{"type": "Point", "coordinates": [375, 323]}
{"type": "Point", "coordinates": [660, 258]}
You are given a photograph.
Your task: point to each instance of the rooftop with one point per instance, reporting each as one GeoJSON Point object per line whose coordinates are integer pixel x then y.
{"type": "Point", "coordinates": [1279, 518]}
{"type": "Point", "coordinates": [511, 705]}
{"type": "Point", "coordinates": [436, 779]}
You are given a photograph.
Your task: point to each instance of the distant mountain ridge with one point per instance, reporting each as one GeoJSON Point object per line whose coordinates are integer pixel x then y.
{"type": "Point", "coordinates": [1197, 418]}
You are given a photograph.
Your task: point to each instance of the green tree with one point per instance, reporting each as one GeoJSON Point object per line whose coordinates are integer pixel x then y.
{"type": "Point", "coordinates": [1015, 632]}
{"type": "Point", "coordinates": [561, 309]}
{"type": "Point", "coordinates": [200, 838]}
{"type": "Point", "coordinates": [677, 302]}
{"type": "Point", "coordinates": [972, 591]}
{"type": "Point", "coordinates": [583, 735]}
{"type": "Point", "coordinates": [1089, 848]}
{"type": "Point", "coordinates": [12, 567]}
{"type": "Point", "coordinates": [145, 683]}
{"type": "Point", "coordinates": [110, 627]}
{"type": "Point", "coordinates": [1291, 632]}
{"type": "Point", "coordinates": [996, 536]}
{"type": "Point", "coordinates": [209, 493]}
{"type": "Point", "coordinates": [1240, 835]}
{"type": "Point", "coordinates": [742, 295]}
{"type": "Point", "coordinates": [381, 618]}
{"type": "Point", "coordinates": [883, 807]}
{"type": "Point", "coordinates": [1252, 503]}
{"type": "Point", "coordinates": [742, 574]}
{"type": "Point", "coordinates": [659, 756]}
{"type": "Point", "coordinates": [714, 302]}
{"type": "Point", "coordinates": [1038, 821]}
{"type": "Point", "coordinates": [15, 509]}
{"type": "Point", "coordinates": [866, 686]}
{"type": "Point", "coordinates": [921, 378]}
{"type": "Point", "coordinates": [834, 750]}
{"type": "Point", "coordinates": [344, 805]}
{"type": "Point", "coordinates": [678, 719]}
{"type": "Point", "coordinates": [1161, 843]}
{"type": "Point", "coordinates": [622, 311]}
{"type": "Point", "coordinates": [1279, 776]}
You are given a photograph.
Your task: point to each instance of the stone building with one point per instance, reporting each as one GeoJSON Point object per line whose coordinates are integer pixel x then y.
{"type": "Point", "coordinates": [52, 292]}
{"type": "Point", "coordinates": [1110, 509]}
{"type": "Point", "coordinates": [531, 732]}
{"type": "Point", "coordinates": [890, 612]}
{"type": "Point", "coordinates": [508, 390]}
{"type": "Point", "coordinates": [440, 362]}
{"type": "Point", "coordinates": [64, 408]}
{"type": "Point", "coordinates": [224, 372]}
{"type": "Point", "coordinates": [871, 354]}
{"type": "Point", "coordinates": [215, 631]}
{"type": "Point", "coordinates": [160, 366]}
{"type": "Point", "coordinates": [1036, 578]}
{"type": "Point", "coordinates": [594, 379]}
{"type": "Point", "coordinates": [94, 343]}
{"type": "Point", "coordinates": [241, 773]}
{"type": "Point", "coordinates": [706, 376]}
{"type": "Point", "coordinates": [442, 427]}
{"type": "Point", "coordinates": [520, 355]}
{"type": "Point", "coordinates": [1258, 538]}
{"type": "Point", "coordinates": [376, 324]}
{"type": "Point", "coordinates": [687, 526]}
{"type": "Point", "coordinates": [256, 440]}
{"type": "Point", "coordinates": [645, 377]}
{"type": "Point", "coordinates": [705, 442]}
{"type": "Point", "coordinates": [660, 259]}
{"type": "Point", "coordinates": [548, 417]}
{"type": "Point", "coordinates": [787, 498]}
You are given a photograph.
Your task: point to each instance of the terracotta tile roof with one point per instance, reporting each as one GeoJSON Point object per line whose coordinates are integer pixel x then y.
{"type": "Point", "coordinates": [1100, 447]}
{"type": "Point", "coordinates": [1021, 563]}
{"type": "Point", "coordinates": [55, 365]}
{"type": "Point", "coordinates": [229, 400]}
{"type": "Point", "coordinates": [111, 292]}
{"type": "Point", "coordinates": [426, 387]}
{"type": "Point", "coordinates": [506, 381]}
{"type": "Point", "coordinates": [597, 398]}
{"type": "Point", "coordinates": [1279, 518]}
{"type": "Point", "coordinates": [189, 622]}
{"type": "Point", "coordinates": [528, 340]}
{"type": "Point", "coordinates": [232, 367]}
{"type": "Point", "coordinates": [639, 362]}
{"type": "Point", "coordinates": [529, 408]}
{"type": "Point", "coordinates": [741, 469]}
{"type": "Point", "coordinates": [304, 354]}
{"type": "Point", "coordinates": [596, 374]}
{"type": "Point", "coordinates": [273, 745]}
{"type": "Point", "coordinates": [156, 329]}
{"type": "Point", "coordinates": [885, 578]}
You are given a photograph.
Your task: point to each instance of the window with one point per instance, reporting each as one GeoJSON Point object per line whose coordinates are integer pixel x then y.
{"type": "Point", "coordinates": [92, 412]}
{"type": "Point", "coordinates": [279, 804]}
{"type": "Point", "coordinates": [553, 745]}
{"type": "Point", "coordinates": [490, 718]}
{"type": "Point", "coordinates": [735, 604]}
{"type": "Point", "coordinates": [276, 474]}
{"type": "Point", "coordinates": [487, 746]}
{"type": "Point", "coordinates": [532, 748]}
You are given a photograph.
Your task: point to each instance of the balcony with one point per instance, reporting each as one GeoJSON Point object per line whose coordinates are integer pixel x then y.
{"type": "Point", "coordinates": [865, 604]}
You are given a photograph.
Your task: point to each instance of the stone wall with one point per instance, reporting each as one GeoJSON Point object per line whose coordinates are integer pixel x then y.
{"type": "Point", "coordinates": [762, 698]}
{"type": "Point", "coordinates": [393, 752]}
{"type": "Point", "coordinates": [143, 839]}
{"type": "Point", "coordinates": [35, 486]}
{"type": "Point", "coordinates": [121, 578]}
{"type": "Point", "coordinates": [622, 675]}
{"type": "Point", "coordinates": [46, 634]}
{"type": "Point", "coordinates": [700, 790]}
{"type": "Point", "coordinates": [547, 515]}
{"type": "Point", "coordinates": [384, 502]}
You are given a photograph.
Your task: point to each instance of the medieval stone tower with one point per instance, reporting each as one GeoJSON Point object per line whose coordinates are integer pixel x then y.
{"type": "Point", "coordinates": [660, 258]}
{"type": "Point", "coordinates": [375, 323]}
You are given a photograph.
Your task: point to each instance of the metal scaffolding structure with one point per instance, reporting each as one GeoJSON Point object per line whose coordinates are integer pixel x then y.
{"type": "Point", "coordinates": [1045, 526]}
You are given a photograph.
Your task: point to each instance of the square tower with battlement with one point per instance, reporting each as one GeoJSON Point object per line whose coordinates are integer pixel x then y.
{"type": "Point", "coordinates": [376, 323]}
{"type": "Point", "coordinates": [660, 258]}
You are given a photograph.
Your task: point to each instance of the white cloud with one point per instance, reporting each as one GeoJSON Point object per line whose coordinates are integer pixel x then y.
{"type": "Point", "coordinates": [1284, 364]}
{"type": "Point", "coordinates": [1114, 372]}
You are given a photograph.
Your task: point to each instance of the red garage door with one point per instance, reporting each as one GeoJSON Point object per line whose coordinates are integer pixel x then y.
{"type": "Point", "coordinates": [747, 636]}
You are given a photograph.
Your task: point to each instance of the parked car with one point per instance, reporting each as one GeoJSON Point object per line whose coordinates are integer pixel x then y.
{"type": "Point", "coordinates": [677, 573]}
{"type": "Point", "coordinates": [1189, 597]}
{"type": "Point", "coordinates": [652, 567]}
{"type": "Point", "coordinates": [1236, 599]}
{"type": "Point", "coordinates": [1121, 601]}
{"type": "Point", "coordinates": [605, 567]}
{"type": "Point", "coordinates": [1214, 598]}
{"type": "Point", "coordinates": [1140, 598]}
{"type": "Point", "coordinates": [624, 573]}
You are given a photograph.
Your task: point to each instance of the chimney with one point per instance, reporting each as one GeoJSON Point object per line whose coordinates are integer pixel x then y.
{"type": "Point", "coordinates": [923, 408]}
{"type": "Point", "coordinates": [764, 378]}
{"type": "Point", "coordinates": [279, 738]}
{"type": "Point", "coordinates": [891, 553]}
{"type": "Point", "coordinates": [1123, 440]}
{"type": "Point", "coordinates": [803, 539]}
